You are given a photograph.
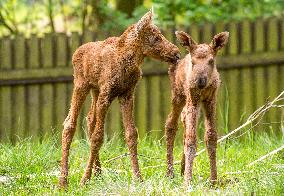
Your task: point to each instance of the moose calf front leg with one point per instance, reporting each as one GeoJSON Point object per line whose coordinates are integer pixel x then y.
{"type": "Point", "coordinates": [131, 135]}
{"type": "Point", "coordinates": [170, 131]}
{"type": "Point", "coordinates": [191, 115]}
{"type": "Point", "coordinates": [97, 137]}
{"type": "Point", "coordinates": [78, 97]}
{"type": "Point", "coordinates": [211, 137]}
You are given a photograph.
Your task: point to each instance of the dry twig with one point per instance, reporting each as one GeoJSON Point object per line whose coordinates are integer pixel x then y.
{"type": "Point", "coordinates": [258, 114]}
{"type": "Point", "coordinates": [265, 156]}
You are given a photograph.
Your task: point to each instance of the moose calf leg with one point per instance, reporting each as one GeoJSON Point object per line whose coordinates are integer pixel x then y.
{"type": "Point", "coordinates": [91, 122]}
{"type": "Point", "coordinates": [170, 131]}
{"type": "Point", "coordinates": [78, 97]}
{"type": "Point", "coordinates": [91, 117]}
{"type": "Point", "coordinates": [103, 103]}
{"type": "Point", "coordinates": [211, 137]}
{"type": "Point", "coordinates": [211, 145]}
{"type": "Point", "coordinates": [131, 135]}
{"type": "Point", "coordinates": [191, 115]}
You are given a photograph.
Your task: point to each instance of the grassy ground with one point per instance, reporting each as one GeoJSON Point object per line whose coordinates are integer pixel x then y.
{"type": "Point", "coordinates": [31, 168]}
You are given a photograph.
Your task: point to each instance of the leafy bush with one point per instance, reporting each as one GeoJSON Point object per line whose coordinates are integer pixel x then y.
{"type": "Point", "coordinates": [200, 11]}
{"type": "Point", "coordinates": [30, 16]}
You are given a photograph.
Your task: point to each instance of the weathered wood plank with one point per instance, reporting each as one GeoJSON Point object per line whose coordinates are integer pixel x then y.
{"type": "Point", "coordinates": [18, 93]}
{"type": "Point", "coordinates": [47, 109]}
{"type": "Point", "coordinates": [61, 46]}
{"type": "Point", "coordinates": [234, 80]}
{"type": "Point", "coordinates": [60, 101]}
{"type": "Point", "coordinates": [273, 114]}
{"type": "Point", "coordinates": [6, 53]}
{"type": "Point", "coordinates": [194, 32]}
{"type": "Point", "coordinates": [207, 33]}
{"type": "Point", "coordinates": [223, 104]}
{"type": "Point", "coordinates": [223, 62]}
{"type": "Point", "coordinates": [273, 36]}
{"type": "Point", "coordinates": [33, 44]}
{"type": "Point", "coordinates": [47, 53]}
{"type": "Point", "coordinates": [141, 108]}
{"type": "Point", "coordinates": [6, 114]}
{"type": "Point", "coordinates": [19, 52]}
{"type": "Point", "coordinates": [165, 100]}
{"type": "Point", "coordinates": [246, 37]}
{"type": "Point", "coordinates": [116, 128]}
{"type": "Point", "coordinates": [154, 107]}
{"type": "Point", "coordinates": [247, 86]}
{"type": "Point", "coordinates": [33, 107]}
{"type": "Point", "coordinates": [88, 37]}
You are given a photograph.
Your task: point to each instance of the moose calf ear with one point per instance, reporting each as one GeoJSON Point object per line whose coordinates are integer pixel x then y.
{"type": "Point", "coordinates": [145, 20]}
{"type": "Point", "coordinates": [185, 40]}
{"type": "Point", "coordinates": [219, 41]}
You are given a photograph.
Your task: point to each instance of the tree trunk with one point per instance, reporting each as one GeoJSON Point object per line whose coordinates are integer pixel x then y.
{"type": "Point", "coordinates": [84, 14]}
{"type": "Point", "coordinates": [50, 15]}
{"type": "Point", "coordinates": [98, 17]}
{"type": "Point", "coordinates": [127, 7]}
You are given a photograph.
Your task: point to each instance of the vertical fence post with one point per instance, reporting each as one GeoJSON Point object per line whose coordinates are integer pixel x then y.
{"type": "Point", "coordinates": [273, 71]}
{"type": "Point", "coordinates": [6, 102]}
{"type": "Point", "coordinates": [18, 92]}
{"type": "Point", "coordinates": [46, 89]}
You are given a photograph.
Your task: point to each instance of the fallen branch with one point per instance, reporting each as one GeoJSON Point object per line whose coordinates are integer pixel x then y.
{"type": "Point", "coordinates": [244, 172]}
{"type": "Point", "coordinates": [255, 115]}
{"type": "Point", "coordinates": [265, 156]}
{"type": "Point", "coordinates": [258, 113]}
{"type": "Point", "coordinates": [117, 157]}
{"type": "Point", "coordinates": [126, 154]}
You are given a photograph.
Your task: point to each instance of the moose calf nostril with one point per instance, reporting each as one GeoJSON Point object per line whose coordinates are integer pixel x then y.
{"type": "Point", "coordinates": [178, 56]}
{"type": "Point", "coordinates": [201, 83]}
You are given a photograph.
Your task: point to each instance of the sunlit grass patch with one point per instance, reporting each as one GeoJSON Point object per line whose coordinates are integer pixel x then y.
{"type": "Point", "coordinates": [33, 168]}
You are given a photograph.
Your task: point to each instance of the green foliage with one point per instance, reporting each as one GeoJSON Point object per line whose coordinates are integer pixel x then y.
{"type": "Point", "coordinates": [32, 168]}
{"type": "Point", "coordinates": [199, 11]}
{"type": "Point", "coordinates": [116, 21]}
{"type": "Point", "coordinates": [31, 16]}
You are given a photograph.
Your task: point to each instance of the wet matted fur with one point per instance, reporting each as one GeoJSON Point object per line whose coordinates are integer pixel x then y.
{"type": "Point", "coordinates": [194, 82]}
{"type": "Point", "coordinates": [110, 69]}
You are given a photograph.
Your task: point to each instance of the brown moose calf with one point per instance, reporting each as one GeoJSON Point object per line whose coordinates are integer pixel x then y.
{"type": "Point", "coordinates": [110, 69]}
{"type": "Point", "coordinates": [194, 81]}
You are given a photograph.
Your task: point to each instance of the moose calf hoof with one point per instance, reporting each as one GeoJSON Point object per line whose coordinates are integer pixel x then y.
{"type": "Point", "coordinates": [97, 171]}
{"type": "Point", "coordinates": [138, 177]}
{"type": "Point", "coordinates": [83, 181]}
{"type": "Point", "coordinates": [170, 174]}
{"type": "Point", "coordinates": [188, 186]}
{"type": "Point", "coordinates": [62, 183]}
{"type": "Point", "coordinates": [213, 183]}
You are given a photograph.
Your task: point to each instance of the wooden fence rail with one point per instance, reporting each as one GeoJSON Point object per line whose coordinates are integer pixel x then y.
{"type": "Point", "coordinates": [36, 80]}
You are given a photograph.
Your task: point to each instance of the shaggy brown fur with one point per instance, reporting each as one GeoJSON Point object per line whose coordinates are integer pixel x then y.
{"type": "Point", "coordinates": [110, 69]}
{"type": "Point", "coordinates": [195, 81]}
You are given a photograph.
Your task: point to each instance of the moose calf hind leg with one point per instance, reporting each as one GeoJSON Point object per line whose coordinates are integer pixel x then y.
{"type": "Point", "coordinates": [78, 97]}
{"type": "Point", "coordinates": [131, 140]}
{"type": "Point", "coordinates": [211, 145]}
{"type": "Point", "coordinates": [170, 137]}
{"type": "Point", "coordinates": [131, 136]}
{"type": "Point", "coordinates": [97, 137]}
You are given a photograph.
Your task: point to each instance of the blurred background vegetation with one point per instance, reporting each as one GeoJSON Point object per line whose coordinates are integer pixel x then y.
{"type": "Point", "coordinates": [113, 16]}
{"type": "Point", "coordinates": [38, 38]}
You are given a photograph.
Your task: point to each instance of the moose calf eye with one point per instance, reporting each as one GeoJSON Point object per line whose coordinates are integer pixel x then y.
{"type": "Point", "coordinates": [157, 39]}
{"type": "Point", "coordinates": [154, 40]}
{"type": "Point", "coordinates": [211, 62]}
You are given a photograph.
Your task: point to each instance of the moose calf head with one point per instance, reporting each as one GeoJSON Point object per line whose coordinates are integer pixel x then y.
{"type": "Point", "coordinates": [202, 58]}
{"type": "Point", "coordinates": [154, 44]}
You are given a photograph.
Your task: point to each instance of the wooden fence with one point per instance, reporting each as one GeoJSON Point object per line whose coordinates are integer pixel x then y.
{"type": "Point", "coordinates": [36, 80]}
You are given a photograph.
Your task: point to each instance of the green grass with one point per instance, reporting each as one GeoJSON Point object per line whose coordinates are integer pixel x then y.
{"type": "Point", "coordinates": [33, 169]}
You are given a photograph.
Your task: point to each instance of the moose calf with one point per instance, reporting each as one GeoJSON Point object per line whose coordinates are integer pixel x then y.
{"type": "Point", "coordinates": [110, 69]}
{"type": "Point", "coordinates": [194, 81]}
